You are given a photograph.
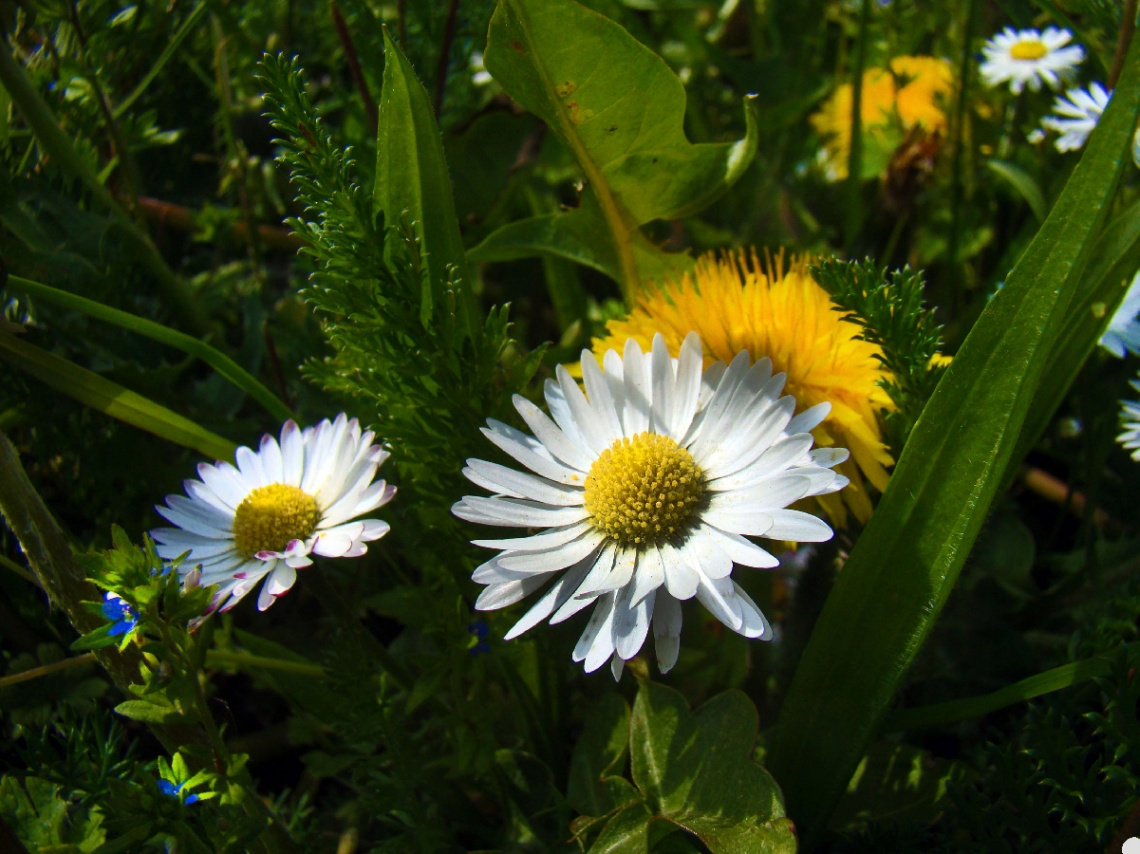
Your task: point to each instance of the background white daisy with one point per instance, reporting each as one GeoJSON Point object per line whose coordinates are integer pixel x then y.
{"type": "Point", "coordinates": [1123, 333]}
{"type": "Point", "coordinates": [280, 504]}
{"type": "Point", "coordinates": [1028, 57]}
{"type": "Point", "coordinates": [1077, 113]}
{"type": "Point", "coordinates": [1130, 415]}
{"type": "Point", "coordinates": [648, 487]}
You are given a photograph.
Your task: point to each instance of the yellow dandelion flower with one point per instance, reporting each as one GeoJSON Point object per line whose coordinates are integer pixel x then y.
{"type": "Point", "coordinates": [736, 302]}
{"type": "Point", "coordinates": [912, 92]}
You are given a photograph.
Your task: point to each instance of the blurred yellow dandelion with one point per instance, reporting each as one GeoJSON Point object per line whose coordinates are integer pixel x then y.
{"type": "Point", "coordinates": [737, 302]}
{"type": "Point", "coordinates": [911, 93]}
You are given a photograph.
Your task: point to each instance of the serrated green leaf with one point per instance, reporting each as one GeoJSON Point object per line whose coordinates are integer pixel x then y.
{"type": "Point", "coordinates": [619, 109]}
{"type": "Point", "coordinates": [112, 399]}
{"type": "Point", "coordinates": [697, 771]}
{"type": "Point", "coordinates": [904, 566]}
{"type": "Point", "coordinates": [411, 176]}
{"type": "Point", "coordinates": [41, 816]}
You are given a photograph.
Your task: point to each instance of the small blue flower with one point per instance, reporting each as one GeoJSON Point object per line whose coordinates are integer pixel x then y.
{"type": "Point", "coordinates": [480, 630]}
{"type": "Point", "coordinates": [173, 791]}
{"type": "Point", "coordinates": [121, 613]}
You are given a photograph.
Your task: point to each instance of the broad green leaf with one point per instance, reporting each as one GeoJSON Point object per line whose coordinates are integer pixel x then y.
{"type": "Point", "coordinates": [581, 236]}
{"type": "Point", "coordinates": [597, 755]}
{"type": "Point", "coordinates": [1023, 183]}
{"type": "Point", "coordinates": [41, 815]}
{"type": "Point", "coordinates": [411, 176]}
{"type": "Point", "coordinates": [151, 713]}
{"type": "Point", "coordinates": [902, 570]}
{"type": "Point", "coordinates": [625, 833]}
{"type": "Point", "coordinates": [696, 770]}
{"type": "Point", "coordinates": [112, 399]}
{"type": "Point", "coordinates": [619, 109]}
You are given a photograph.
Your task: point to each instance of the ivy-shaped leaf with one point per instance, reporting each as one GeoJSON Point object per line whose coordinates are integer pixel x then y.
{"type": "Point", "coordinates": [621, 111]}
{"type": "Point", "coordinates": [695, 770]}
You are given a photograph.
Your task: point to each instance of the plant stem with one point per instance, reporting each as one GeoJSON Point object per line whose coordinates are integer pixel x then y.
{"type": "Point", "coordinates": [19, 570]}
{"type": "Point", "coordinates": [353, 60]}
{"type": "Point", "coordinates": [1127, 28]}
{"type": "Point", "coordinates": [44, 670]}
{"type": "Point", "coordinates": [248, 661]}
{"type": "Point", "coordinates": [853, 189]}
{"type": "Point", "coordinates": [444, 56]}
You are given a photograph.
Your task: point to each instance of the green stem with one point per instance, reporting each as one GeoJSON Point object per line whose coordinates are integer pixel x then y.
{"type": "Point", "coordinates": [217, 360]}
{"type": "Point", "coordinates": [853, 189]}
{"type": "Point", "coordinates": [56, 144]}
{"type": "Point", "coordinates": [167, 54]}
{"type": "Point", "coordinates": [975, 707]}
{"type": "Point", "coordinates": [19, 570]}
{"type": "Point", "coordinates": [248, 661]}
{"type": "Point", "coordinates": [964, 65]}
{"type": "Point", "coordinates": [44, 670]}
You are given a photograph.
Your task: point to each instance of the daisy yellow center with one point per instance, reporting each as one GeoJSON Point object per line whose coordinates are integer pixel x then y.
{"type": "Point", "coordinates": [271, 516]}
{"type": "Point", "coordinates": [644, 490]}
{"type": "Point", "coordinates": [1032, 49]}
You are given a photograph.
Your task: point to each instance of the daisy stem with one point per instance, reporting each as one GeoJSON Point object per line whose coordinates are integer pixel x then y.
{"type": "Point", "coordinates": [1127, 28]}
{"type": "Point", "coordinates": [46, 669]}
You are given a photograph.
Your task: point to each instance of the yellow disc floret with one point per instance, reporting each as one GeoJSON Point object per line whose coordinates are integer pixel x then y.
{"type": "Point", "coordinates": [271, 516]}
{"type": "Point", "coordinates": [644, 490]}
{"type": "Point", "coordinates": [1029, 50]}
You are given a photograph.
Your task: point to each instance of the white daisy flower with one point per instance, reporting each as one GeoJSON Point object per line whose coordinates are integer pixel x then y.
{"type": "Point", "coordinates": [1130, 415]}
{"type": "Point", "coordinates": [1123, 333]}
{"type": "Point", "coordinates": [647, 487]}
{"type": "Point", "coordinates": [1024, 57]}
{"type": "Point", "coordinates": [282, 503]}
{"type": "Point", "coordinates": [1077, 114]}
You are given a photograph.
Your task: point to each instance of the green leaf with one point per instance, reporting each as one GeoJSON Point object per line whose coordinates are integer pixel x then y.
{"type": "Point", "coordinates": [597, 755]}
{"type": "Point", "coordinates": [697, 771]}
{"type": "Point", "coordinates": [619, 109]}
{"type": "Point", "coordinates": [42, 816]}
{"type": "Point", "coordinates": [411, 176]}
{"type": "Point", "coordinates": [151, 713]}
{"type": "Point", "coordinates": [1111, 269]}
{"type": "Point", "coordinates": [219, 361]}
{"type": "Point", "coordinates": [112, 399]}
{"type": "Point", "coordinates": [1023, 183]}
{"type": "Point", "coordinates": [625, 833]}
{"type": "Point", "coordinates": [896, 782]}
{"type": "Point", "coordinates": [898, 577]}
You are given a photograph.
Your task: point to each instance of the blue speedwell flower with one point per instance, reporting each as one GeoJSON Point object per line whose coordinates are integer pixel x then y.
{"type": "Point", "coordinates": [121, 613]}
{"type": "Point", "coordinates": [174, 791]}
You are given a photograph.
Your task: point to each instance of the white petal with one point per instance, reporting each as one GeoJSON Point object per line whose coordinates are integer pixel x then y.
{"type": "Point", "coordinates": [666, 630]}
{"type": "Point", "coordinates": [809, 419]}
{"type": "Point", "coordinates": [270, 456]}
{"type": "Point", "coordinates": [687, 389]}
{"type": "Point", "coordinates": [226, 482]}
{"type": "Point", "coordinates": [556, 557]}
{"type": "Point", "coordinates": [798, 527]}
{"type": "Point", "coordinates": [754, 624]}
{"type": "Point", "coordinates": [721, 603]}
{"type": "Point", "coordinates": [292, 454]}
{"type": "Point", "coordinates": [682, 576]}
{"type": "Point", "coordinates": [556, 441]}
{"type": "Point", "coordinates": [650, 573]}
{"type": "Point", "coordinates": [741, 551]}
{"type": "Point", "coordinates": [594, 430]}
{"type": "Point", "coordinates": [702, 551]}
{"type": "Point", "coordinates": [530, 453]}
{"type": "Point", "coordinates": [631, 624]}
{"type": "Point", "coordinates": [336, 541]}
{"type": "Point", "coordinates": [537, 542]}
{"type": "Point", "coordinates": [513, 512]}
{"type": "Point", "coordinates": [638, 404]}
{"type": "Point", "coordinates": [781, 455]}
{"type": "Point", "coordinates": [501, 595]}
{"type": "Point", "coordinates": [249, 464]}
{"type": "Point", "coordinates": [601, 646]}
{"type": "Point", "coordinates": [613, 571]}
{"type": "Point", "coordinates": [501, 479]}
{"type": "Point", "coordinates": [554, 598]}
{"type": "Point", "coordinates": [196, 517]}
{"type": "Point", "coordinates": [662, 380]}
{"type": "Point", "coordinates": [601, 400]}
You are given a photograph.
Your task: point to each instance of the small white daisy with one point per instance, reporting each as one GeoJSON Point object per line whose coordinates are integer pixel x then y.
{"type": "Point", "coordinates": [1123, 333]}
{"type": "Point", "coordinates": [1024, 57]}
{"type": "Point", "coordinates": [647, 487]}
{"type": "Point", "coordinates": [279, 505]}
{"type": "Point", "coordinates": [1130, 415]}
{"type": "Point", "coordinates": [1076, 115]}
